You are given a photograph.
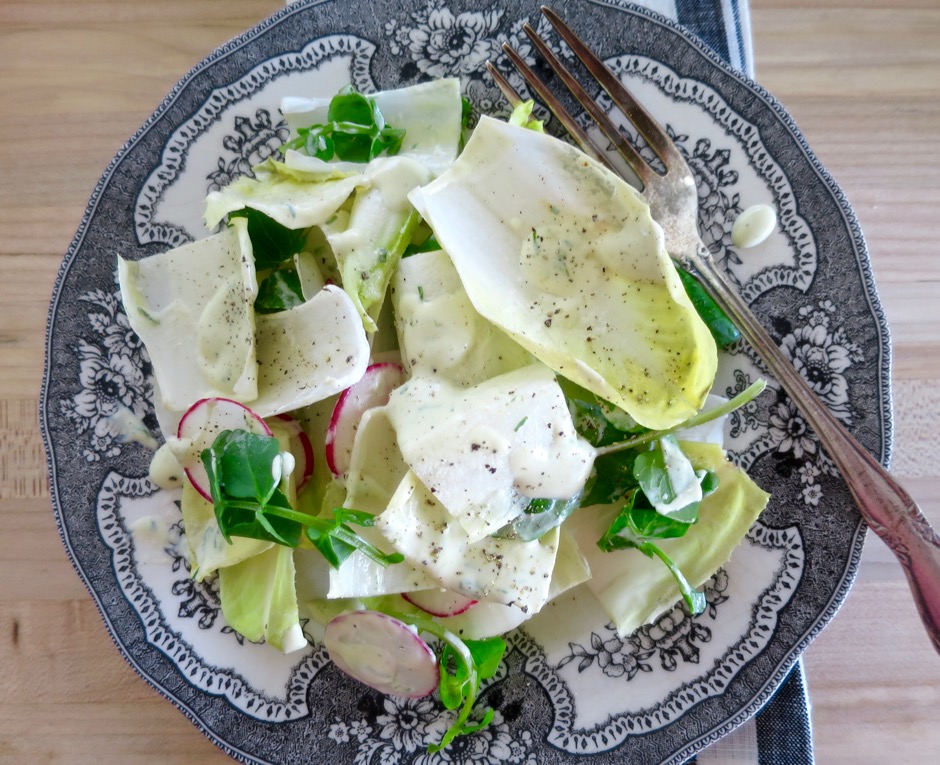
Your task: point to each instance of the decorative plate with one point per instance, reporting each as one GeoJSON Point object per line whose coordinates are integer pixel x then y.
{"type": "Point", "coordinates": [570, 690]}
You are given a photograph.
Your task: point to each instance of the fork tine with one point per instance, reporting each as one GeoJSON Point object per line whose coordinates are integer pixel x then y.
{"type": "Point", "coordinates": [644, 122]}
{"type": "Point", "coordinates": [554, 106]}
{"type": "Point", "coordinates": [623, 146]}
{"type": "Point", "coordinates": [509, 93]}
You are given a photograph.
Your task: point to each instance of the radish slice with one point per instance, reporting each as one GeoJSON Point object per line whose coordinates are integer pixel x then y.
{"type": "Point", "coordinates": [439, 602]}
{"type": "Point", "coordinates": [372, 390]}
{"type": "Point", "coordinates": [202, 423]}
{"type": "Point", "coordinates": [382, 652]}
{"type": "Point", "coordinates": [300, 447]}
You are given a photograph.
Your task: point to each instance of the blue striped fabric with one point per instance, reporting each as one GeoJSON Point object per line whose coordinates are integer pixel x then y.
{"type": "Point", "coordinates": [723, 24]}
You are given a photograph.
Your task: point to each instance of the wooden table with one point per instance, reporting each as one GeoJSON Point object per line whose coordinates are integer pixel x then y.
{"type": "Point", "coordinates": [77, 77]}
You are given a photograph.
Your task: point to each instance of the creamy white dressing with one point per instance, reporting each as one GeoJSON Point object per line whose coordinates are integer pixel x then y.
{"type": "Point", "coordinates": [499, 570]}
{"type": "Point", "coordinates": [484, 451]}
{"type": "Point", "coordinates": [151, 535]}
{"type": "Point", "coordinates": [166, 471]}
{"type": "Point", "coordinates": [440, 332]}
{"type": "Point", "coordinates": [199, 333]}
{"type": "Point", "coordinates": [753, 226]}
{"type": "Point", "coordinates": [129, 426]}
{"type": "Point", "coordinates": [686, 482]}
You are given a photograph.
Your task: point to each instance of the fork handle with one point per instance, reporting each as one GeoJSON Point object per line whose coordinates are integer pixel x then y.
{"type": "Point", "coordinates": [884, 504]}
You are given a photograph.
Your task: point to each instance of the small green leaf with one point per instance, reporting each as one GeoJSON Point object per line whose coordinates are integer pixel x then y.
{"type": "Point", "coordinates": [694, 599]}
{"type": "Point", "coordinates": [245, 461]}
{"type": "Point", "coordinates": [590, 416]}
{"type": "Point", "coordinates": [272, 242]}
{"type": "Point", "coordinates": [723, 330]}
{"type": "Point", "coordinates": [635, 527]}
{"type": "Point", "coordinates": [611, 480]}
{"type": "Point", "coordinates": [649, 469]}
{"type": "Point", "coordinates": [464, 665]}
{"type": "Point", "coordinates": [540, 517]}
{"type": "Point", "coordinates": [334, 550]}
{"type": "Point", "coordinates": [355, 131]}
{"type": "Point", "coordinates": [279, 291]}
{"type": "Point", "coordinates": [487, 653]}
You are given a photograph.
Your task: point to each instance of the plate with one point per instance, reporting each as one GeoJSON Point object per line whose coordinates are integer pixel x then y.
{"type": "Point", "coordinates": [570, 690]}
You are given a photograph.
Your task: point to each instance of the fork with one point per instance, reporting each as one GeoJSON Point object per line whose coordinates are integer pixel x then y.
{"type": "Point", "coordinates": [884, 504]}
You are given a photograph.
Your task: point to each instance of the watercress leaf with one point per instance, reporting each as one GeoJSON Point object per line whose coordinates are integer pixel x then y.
{"type": "Point", "coordinates": [245, 464]}
{"type": "Point", "coordinates": [590, 416]}
{"type": "Point", "coordinates": [429, 244]}
{"type": "Point", "coordinates": [611, 480]}
{"type": "Point", "coordinates": [721, 327]}
{"type": "Point", "coordinates": [646, 523]}
{"type": "Point", "coordinates": [487, 654]}
{"type": "Point", "coordinates": [649, 469]}
{"type": "Point", "coordinates": [235, 521]}
{"type": "Point", "coordinates": [634, 527]}
{"type": "Point", "coordinates": [709, 482]}
{"type": "Point", "coordinates": [540, 517]}
{"type": "Point", "coordinates": [283, 531]}
{"type": "Point", "coordinates": [272, 242]}
{"type": "Point", "coordinates": [620, 535]}
{"type": "Point", "coordinates": [247, 519]}
{"type": "Point", "coordinates": [318, 143]}
{"type": "Point", "coordinates": [389, 141]}
{"type": "Point", "coordinates": [351, 146]}
{"type": "Point", "coordinates": [335, 550]}
{"type": "Point", "coordinates": [485, 720]}
{"type": "Point", "coordinates": [455, 678]}
{"type": "Point", "coordinates": [279, 291]}
{"type": "Point", "coordinates": [349, 515]}
{"type": "Point", "coordinates": [694, 599]}
{"type": "Point", "coordinates": [685, 515]}
{"type": "Point", "coordinates": [355, 131]}
{"type": "Point", "coordinates": [349, 106]}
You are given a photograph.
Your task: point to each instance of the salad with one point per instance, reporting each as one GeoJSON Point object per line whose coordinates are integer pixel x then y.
{"type": "Point", "coordinates": [419, 380]}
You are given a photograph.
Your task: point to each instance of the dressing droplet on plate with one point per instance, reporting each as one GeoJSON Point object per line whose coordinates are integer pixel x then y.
{"type": "Point", "coordinates": [753, 226]}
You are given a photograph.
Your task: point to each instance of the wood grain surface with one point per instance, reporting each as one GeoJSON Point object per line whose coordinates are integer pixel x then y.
{"type": "Point", "coordinates": [78, 77]}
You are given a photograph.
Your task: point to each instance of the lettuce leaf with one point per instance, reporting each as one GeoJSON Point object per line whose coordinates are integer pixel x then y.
{"type": "Point", "coordinates": [200, 333]}
{"type": "Point", "coordinates": [294, 199]}
{"type": "Point", "coordinates": [439, 330]}
{"type": "Point", "coordinates": [565, 257]}
{"type": "Point", "coordinates": [635, 589]}
{"type": "Point", "coordinates": [429, 113]}
{"type": "Point", "coordinates": [259, 599]}
{"type": "Point", "coordinates": [208, 549]}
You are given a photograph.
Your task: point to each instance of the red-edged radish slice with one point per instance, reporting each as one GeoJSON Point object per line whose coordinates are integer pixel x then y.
{"type": "Point", "coordinates": [372, 390]}
{"type": "Point", "coordinates": [300, 447]}
{"type": "Point", "coordinates": [439, 602]}
{"type": "Point", "coordinates": [201, 425]}
{"type": "Point", "coordinates": [382, 652]}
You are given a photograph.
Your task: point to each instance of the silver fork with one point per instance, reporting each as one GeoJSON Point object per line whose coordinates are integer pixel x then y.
{"type": "Point", "coordinates": [887, 508]}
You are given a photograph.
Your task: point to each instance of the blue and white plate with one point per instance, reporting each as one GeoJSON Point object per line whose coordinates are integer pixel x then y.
{"type": "Point", "coordinates": [571, 691]}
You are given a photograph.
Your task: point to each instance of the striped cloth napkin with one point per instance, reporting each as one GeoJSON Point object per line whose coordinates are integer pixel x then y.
{"type": "Point", "coordinates": [781, 733]}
